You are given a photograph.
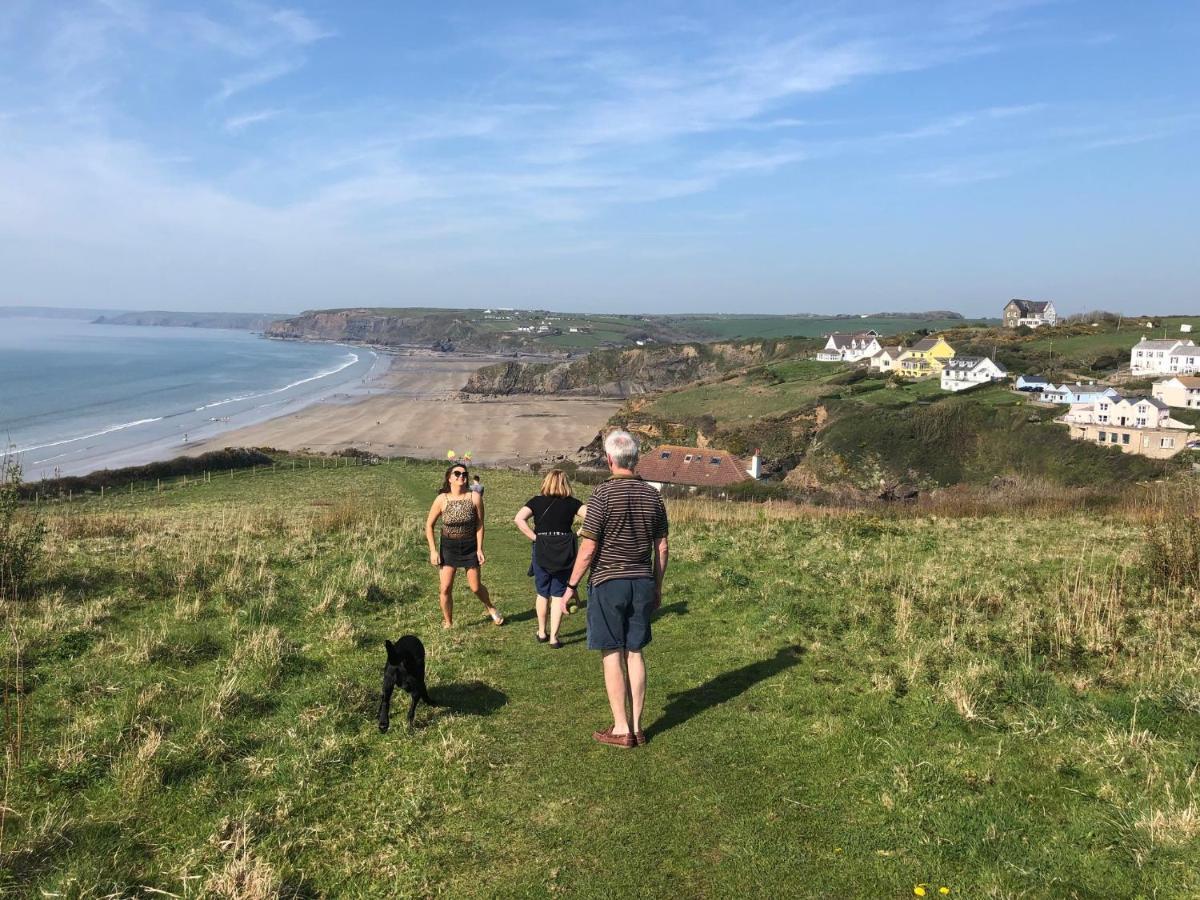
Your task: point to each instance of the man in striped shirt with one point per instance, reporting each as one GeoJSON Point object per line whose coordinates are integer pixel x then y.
{"type": "Point", "coordinates": [625, 545]}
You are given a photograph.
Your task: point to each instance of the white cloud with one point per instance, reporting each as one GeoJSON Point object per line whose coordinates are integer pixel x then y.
{"type": "Point", "coordinates": [234, 124]}
{"type": "Point", "coordinates": [252, 78]}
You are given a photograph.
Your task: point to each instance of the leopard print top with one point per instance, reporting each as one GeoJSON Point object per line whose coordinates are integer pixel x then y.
{"type": "Point", "coordinates": [458, 518]}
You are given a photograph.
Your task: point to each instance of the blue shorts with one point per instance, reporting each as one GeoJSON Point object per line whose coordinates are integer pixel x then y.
{"type": "Point", "coordinates": [618, 614]}
{"type": "Point", "coordinates": [549, 584]}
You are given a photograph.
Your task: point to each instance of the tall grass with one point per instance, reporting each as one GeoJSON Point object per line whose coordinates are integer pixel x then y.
{"type": "Point", "coordinates": [1172, 546]}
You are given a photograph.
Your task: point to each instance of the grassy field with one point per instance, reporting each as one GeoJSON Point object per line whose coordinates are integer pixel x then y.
{"type": "Point", "coordinates": [750, 326]}
{"type": "Point", "coordinates": [774, 390]}
{"type": "Point", "coordinates": [840, 704]}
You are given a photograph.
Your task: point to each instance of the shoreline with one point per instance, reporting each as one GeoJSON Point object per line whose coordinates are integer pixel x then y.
{"type": "Point", "coordinates": [125, 429]}
{"type": "Point", "coordinates": [416, 409]}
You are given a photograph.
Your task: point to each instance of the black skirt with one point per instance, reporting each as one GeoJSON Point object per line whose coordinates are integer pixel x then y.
{"type": "Point", "coordinates": [461, 553]}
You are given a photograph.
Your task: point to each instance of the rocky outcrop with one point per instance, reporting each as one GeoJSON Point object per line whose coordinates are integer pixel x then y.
{"type": "Point", "coordinates": [627, 373]}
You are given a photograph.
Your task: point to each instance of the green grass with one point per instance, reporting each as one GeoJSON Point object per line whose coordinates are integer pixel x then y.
{"type": "Point", "coordinates": [737, 326]}
{"type": "Point", "coordinates": [843, 705]}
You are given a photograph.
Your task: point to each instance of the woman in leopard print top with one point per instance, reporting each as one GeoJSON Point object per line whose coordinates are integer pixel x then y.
{"type": "Point", "coordinates": [461, 544]}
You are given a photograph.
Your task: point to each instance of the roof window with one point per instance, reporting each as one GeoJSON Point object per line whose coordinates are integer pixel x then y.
{"type": "Point", "coordinates": [715, 461]}
{"type": "Point", "coordinates": [666, 454]}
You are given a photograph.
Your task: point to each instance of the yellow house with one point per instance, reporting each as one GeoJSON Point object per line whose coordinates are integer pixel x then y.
{"type": "Point", "coordinates": [925, 358]}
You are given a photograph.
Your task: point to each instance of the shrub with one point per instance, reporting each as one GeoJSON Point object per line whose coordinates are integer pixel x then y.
{"type": "Point", "coordinates": [21, 534]}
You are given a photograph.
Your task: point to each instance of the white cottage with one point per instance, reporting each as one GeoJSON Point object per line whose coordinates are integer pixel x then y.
{"type": "Point", "coordinates": [885, 360]}
{"type": "Point", "coordinates": [850, 347]}
{"type": "Point", "coordinates": [962, 372]}
{"type": "Point", "coordinates": [1164, 357]}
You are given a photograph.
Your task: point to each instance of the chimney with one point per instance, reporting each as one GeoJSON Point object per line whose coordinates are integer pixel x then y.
{"type": "Point", "coordinates": [755, 470]}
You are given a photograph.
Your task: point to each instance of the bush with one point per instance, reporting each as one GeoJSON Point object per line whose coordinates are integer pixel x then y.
{"type": "Point", "coordinates": [21, 534]}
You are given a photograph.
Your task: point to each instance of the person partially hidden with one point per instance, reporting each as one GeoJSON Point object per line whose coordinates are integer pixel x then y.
{"type": "Point", "coordinates": [405, 668]}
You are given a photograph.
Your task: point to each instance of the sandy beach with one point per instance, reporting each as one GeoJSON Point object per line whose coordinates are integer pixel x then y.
{"type": "Point", "coordinates": [415, 409]}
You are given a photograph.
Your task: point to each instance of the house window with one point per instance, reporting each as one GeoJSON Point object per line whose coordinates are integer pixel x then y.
{"type": "Point", "coordinates": [688, 458]}
{"type": "Point", "coordinates": [666, 454]}
{"type": "Point", "coordinates": [1113, 438]}
{"type": "Point", "coordinates": [1166, 443]}
{"type": "Point", "coordinates": [1141, 422]}
{"type": "Point", "coordinates": [1125, 439]}
{"type": "Point", "coordinates": [1103, 418]}
{"type": "Point", "coordinates": [1103, 435]}
{"type": "Point", "coordinates": [714, 461]}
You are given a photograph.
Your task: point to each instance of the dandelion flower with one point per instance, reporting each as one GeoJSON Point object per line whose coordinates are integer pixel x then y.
{"type": "Point", "coordinates": [943, 890]}
{"type": "Point", "coordinates": [450, 454]}
{"type": "Point", "coordinates": [919, 890]}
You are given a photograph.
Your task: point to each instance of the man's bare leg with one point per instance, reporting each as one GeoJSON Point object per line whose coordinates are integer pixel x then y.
{"type": "Point", "coordinates": [635, 666]}
{"type": "Point", "coordinates": [615, 685]}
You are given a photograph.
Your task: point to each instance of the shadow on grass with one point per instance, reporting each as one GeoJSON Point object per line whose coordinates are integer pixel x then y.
{"type": "Point", "coordinates": [679, 608]}
{"type": "Point", "coordinates": [471, 698]}
{"type": "Point", "coordinates": [685, 704]}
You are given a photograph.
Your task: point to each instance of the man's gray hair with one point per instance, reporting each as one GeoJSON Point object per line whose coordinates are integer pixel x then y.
{"type": "Point", "coordinates": [623, 448]}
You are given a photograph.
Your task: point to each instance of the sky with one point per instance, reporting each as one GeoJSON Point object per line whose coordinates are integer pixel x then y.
{"type": "Point", "coordinates": [816, 157]}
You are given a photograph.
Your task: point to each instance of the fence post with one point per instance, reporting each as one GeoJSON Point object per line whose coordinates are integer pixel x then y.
{"type": "Point", "coordinates": [158, 487]}
{"type": "Point", "coordinates": [101, 492]}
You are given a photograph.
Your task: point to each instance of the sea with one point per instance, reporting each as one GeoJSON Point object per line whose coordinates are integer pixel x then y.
{"type": "Point", "coordinates": [77, 396]}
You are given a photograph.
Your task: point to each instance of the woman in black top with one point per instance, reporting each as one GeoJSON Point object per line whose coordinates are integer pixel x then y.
{"type": "Point", "coordinates": [554, 511]}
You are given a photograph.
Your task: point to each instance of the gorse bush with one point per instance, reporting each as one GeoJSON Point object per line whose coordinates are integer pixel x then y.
{"type": "Point", "coordinates": [1172, 548]}
{"type": "Point", "coordinates": [21, 534]}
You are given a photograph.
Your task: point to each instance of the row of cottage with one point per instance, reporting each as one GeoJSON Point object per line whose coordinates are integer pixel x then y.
{"type": "Point", "coordinates": [1097, 413]}
{"type": "Point", "coordinates": [926, 358]}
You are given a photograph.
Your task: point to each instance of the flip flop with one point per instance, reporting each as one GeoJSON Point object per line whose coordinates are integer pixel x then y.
{"type": "Point", "coordinates": [541, 639]}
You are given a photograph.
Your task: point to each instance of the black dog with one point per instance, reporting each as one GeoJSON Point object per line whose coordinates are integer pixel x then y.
{"type": "Point", "coordinates": [405, 667]}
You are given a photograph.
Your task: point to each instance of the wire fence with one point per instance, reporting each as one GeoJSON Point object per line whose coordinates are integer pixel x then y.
{"type": "Point", "coordinates": [145, 486]}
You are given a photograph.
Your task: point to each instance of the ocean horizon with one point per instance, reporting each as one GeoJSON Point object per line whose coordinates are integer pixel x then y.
{"type": "Point", "coordinates": [76, 396]}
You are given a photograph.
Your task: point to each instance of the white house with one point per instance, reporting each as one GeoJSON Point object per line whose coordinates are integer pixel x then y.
{"type": "Point", "coordinates": [1182, 391]}
{"type": "Point", "coordinates": [1031, 383]}
{"type": "Point", "coordinates": [962, 372]}
{"type": "Point", "coordinates": [1076, 393]}
{"type": "Point", "coordinates": [850, 347]}
{"type": "Point", "coordinates": [1160, 357]}
{"type": "Point", "coordinates": [1124, 412]}
{"type": "Point", "coordinates": [885, 360]}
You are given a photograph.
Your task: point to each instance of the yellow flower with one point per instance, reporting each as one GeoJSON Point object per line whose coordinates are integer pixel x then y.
{"type": "Point", "coordinates": [919, 890]}
{"type": "Point", "coordinates": [943, 890]}
{"type": "Point", "coordinates": [450, 454]}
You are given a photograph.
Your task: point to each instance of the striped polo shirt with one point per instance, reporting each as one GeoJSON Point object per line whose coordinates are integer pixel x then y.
{"type": "Point", "coordinates": [625, 516]}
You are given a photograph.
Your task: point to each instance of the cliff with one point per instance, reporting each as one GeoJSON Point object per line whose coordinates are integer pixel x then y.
{"type": "Point", "coordinates": [624, 373]}
{"type": "Point", "coordinates": [443, 330]}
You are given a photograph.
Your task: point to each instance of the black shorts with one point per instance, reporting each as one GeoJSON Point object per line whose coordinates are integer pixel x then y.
{"type": "Point", "coordinates": [618, 614]}
{"type": "Point", "coordinates": [461, 553]}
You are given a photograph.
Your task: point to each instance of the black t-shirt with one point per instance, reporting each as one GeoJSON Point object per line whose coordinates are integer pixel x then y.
{"type": "Point", "coordinates": [553, 513]}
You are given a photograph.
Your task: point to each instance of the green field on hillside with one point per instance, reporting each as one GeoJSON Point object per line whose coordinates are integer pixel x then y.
{"type": "Point", "coordinates": [840, 704]}
{"type": "Point", "coordinates": [750, 396]}
{"type": "Point", "coordinates": [750, 326]}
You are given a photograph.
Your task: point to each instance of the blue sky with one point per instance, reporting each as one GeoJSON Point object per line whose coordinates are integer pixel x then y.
{"type": "Point", "coordinates": [686, 157]}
